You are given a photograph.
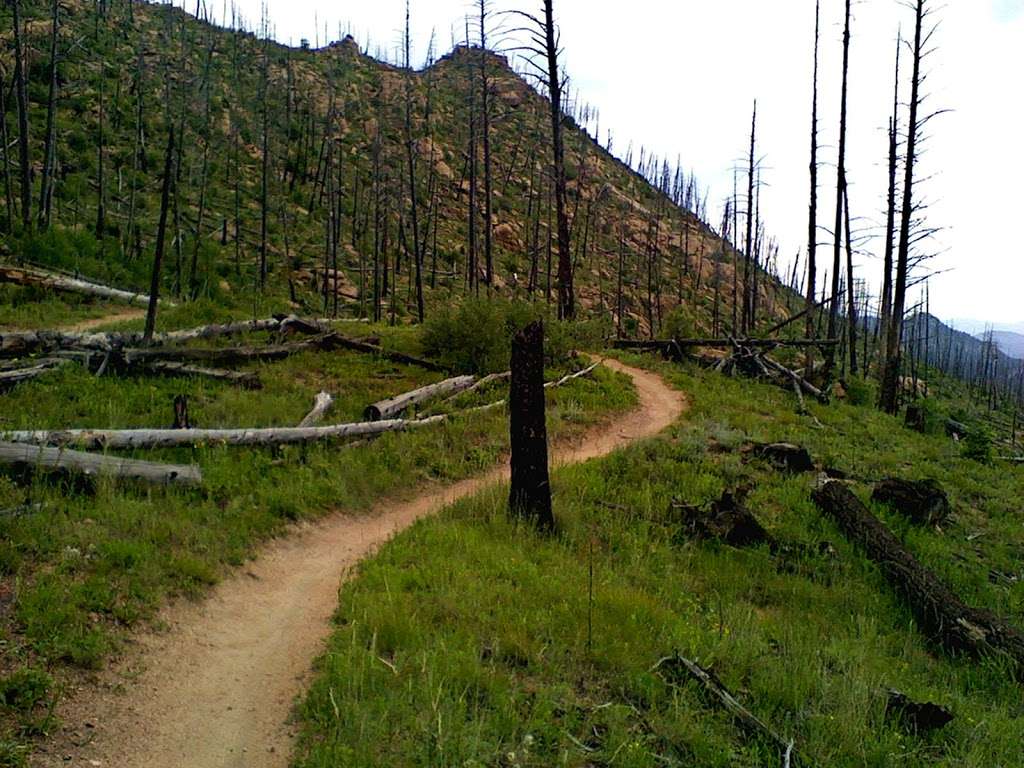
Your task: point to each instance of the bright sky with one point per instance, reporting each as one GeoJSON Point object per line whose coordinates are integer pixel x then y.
{"type": "Point", "coordinates": [680, 77]}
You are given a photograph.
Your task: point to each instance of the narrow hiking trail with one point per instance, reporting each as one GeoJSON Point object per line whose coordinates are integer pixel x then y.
{"type": "Point", "coordinates": [120, 316]}
{"type": "Point", "coordinates": [217, 689]}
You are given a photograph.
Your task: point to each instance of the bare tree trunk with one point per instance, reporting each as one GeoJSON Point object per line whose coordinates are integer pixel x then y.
{"type": "Point", "coordinates": [49, 150]}
{"type": "Point", "coordinates": [485, 108]}
{"type": "Point", "coordinates": [158, 256]}
{"type": "Point", "coordinates": [101, 195]}
{"type": "Point", "coordinates": [4, 159]}
{"type": "Point", "coordinates": [21, 94]}
{"type": "Point", "coordinates": [530, 497]}
{"type": "Point", "coordinates": [851, 303]}
{"type": "Point", "coordinates": [812, 224]}
{"type": "Point", "coordinates": [888, 395]}
{"type": "Point", "coordinates": [747, 295]}
{"type": "Point", "coordinates": [410, 152]}
{"type": "Point", "coordinates": [890, 224]}
{"type": "Point", "coordinates": [566, 293]}
{"type": "Point", "coordinates": [833, 315]}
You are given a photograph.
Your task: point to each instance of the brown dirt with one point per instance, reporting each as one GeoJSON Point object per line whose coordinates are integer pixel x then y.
{"type": "Point", "coordinates": [119, 316]}
{"type": "Point", "coordinates": [216, 689]}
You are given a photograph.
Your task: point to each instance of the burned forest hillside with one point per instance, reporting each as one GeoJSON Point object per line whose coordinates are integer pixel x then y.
{"type": "Point", "coordinates": [292, 177]}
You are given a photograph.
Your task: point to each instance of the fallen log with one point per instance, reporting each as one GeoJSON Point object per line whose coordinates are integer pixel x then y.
{"type": "Point", "coordinates": [668, 344]}
{"type": "Point", "coordinates": [49, 460]}
{"type": "Point", "coordinates": [244, 379]}
{"type": "Point", "coordinates": [228, 355]}
{"type": "Point", "coordinates": [30, 276]}
{"type": "Point", "coordinates": [799, 380]}
{"type": "Point", "coordinates": [549, 385]}
{"type": "Point", "coordinates": [13, 376]}
{"type": "Point", "coordinates": [321, 405]}
{"type": "Point", "coordinates": [343, 342]}
{"type": "Point", "coordinates": [676, 668]}
{"type": "Point", "coordinates": [174, 438]}
{"type": "Point", "coordinates": [394, 406]}
{"type": "Point", "coordinates": [946, 619]}
{"type": "Point", "coordinates": [923, 501]}
{"type": "Point", "coordinates": [485, 381]}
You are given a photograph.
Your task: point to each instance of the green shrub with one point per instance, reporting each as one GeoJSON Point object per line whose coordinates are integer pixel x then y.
{"type": "Point", "coordinates": [977, 445]}
{"type": "Point", "coordinates": [24, 689]}
{"type": "Point", "coordinates": [859, 391]}
{"type": "Point", "coordinates": [476, 335]}
{"type": "Point", "coordinates": [679, 324]}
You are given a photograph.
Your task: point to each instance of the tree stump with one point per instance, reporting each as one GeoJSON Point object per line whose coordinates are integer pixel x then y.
{"type": "Point", "coordinates": [530, 496]}
{"type": "Point", "coordinates": [923, 501]}
{"type": "Point", "coordinates": [783, 457]}
{"type": "Point", "coordinates": [727, 520]}
{"type": "Point", "coordinates": [915, 418]}
{"type": "Point", "coordinates": [181, 420]}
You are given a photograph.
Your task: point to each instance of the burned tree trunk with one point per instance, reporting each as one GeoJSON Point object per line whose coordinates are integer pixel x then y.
{"type": "Point", "coordinates": [158, 256]}
{"type": "Point", "coordinates": [530, 497]}
{"type": "Point", "coordinates": [942, 615]}
{"type": "Point", "coordinates": [812, 224]}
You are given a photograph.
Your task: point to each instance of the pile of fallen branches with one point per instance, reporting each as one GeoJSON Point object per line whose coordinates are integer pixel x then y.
{"type": "Point", "coordinates": [25, 355]}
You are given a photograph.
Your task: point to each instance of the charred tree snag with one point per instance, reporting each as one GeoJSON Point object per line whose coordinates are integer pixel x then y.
{"type": "Point", "coordinates": [727, 520]}
{"type": "Point", "coordinates": [784, 457]}
{"type": "Point", "coordinates": [32, 459]}
{"type": "Point", "coordinates": [923, 501]}
{"type": "Point", "coordinates": [946, 619]}
{"type": "Point", "coordinates": [158, 256]}
{"type": "Point", "coordinates": [530, 497]}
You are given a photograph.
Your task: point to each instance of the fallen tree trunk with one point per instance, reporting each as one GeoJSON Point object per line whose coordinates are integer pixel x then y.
{"type": "Point", "coordinates": [174, 438]}
{"type": "Point", "coordinates": [38, 459]}
{"type": "Point", "coordinates": [486, 380]}
{"type": "Point", "coordinates": [29, 276]}
{"type": "Point", "coordinates": [244, 379]}
{"type": "Point", "coordinates": [13, 376]}
{"type": "Point", "coordinates": [549, 385]}
{"type": "Point", "coordinates": [343, 342]}
{"type": "Point", "coordinates": [942, 615]}
{"type": "Point", "coordinates": [227, 355]}
{"type": "Point", "coordinates": [676, 667]}
{"type": "Point", "coordinates": [321, 405]}
{"type": "Point", "coordinates": [21, 343]}
{"type": "Point", "coordinates": [392, 407]}
{"type": "Point", "coordinates": [667, 344]}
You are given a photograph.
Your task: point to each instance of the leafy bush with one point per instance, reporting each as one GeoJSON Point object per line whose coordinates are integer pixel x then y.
{"type": "Point", "coordinates": [679, 324]}
{"type": "Point", "coordinates": [977, 445]}
{"type": "Point", "coordinates": [476, 335]}
{"type": "Point", "coordinates": [24, 689]}
{"type": "Point", "coordinates": [859, 391]}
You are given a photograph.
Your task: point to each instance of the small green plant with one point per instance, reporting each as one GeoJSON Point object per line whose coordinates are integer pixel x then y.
{"type": "Point", "coordinates": [24, 689]}
{"type": "Point", "coordinates": [679, 324]}
{"type": "Point", "coordinates": [977, 446]}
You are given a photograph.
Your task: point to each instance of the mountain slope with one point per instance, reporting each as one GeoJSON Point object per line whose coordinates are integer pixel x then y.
{"type": "Point", "coordinates": [336, 171]}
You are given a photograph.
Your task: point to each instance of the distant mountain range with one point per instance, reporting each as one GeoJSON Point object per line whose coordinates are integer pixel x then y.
{"type": "Point", "coordinates": [1009, 342]}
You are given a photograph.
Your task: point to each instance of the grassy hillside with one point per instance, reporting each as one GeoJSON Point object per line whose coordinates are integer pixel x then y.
{"type": "Point", "coordinates": [335, 139]}
{"type": "Point", "coordinates": [473, 641]}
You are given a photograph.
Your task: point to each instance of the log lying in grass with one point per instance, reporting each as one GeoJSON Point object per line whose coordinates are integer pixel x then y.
{"type": "Point", "coordinates": [343, 342]}
{"type": "Point", "coordinates": [13, 376]}
{"type": "Point", "coordinates": [38, 459]}
{"type": "Point", "coordinates": [228, 355]}
{"type": "Point", "coordinates": [549, 385]}
{"type": "Point", "coordinates": [784, 457]}
{"type": "Point", "coordinates": [321, 405]}
{"type": "Point", "coordinates": [175, 438]}
{"type": "Point", "coordinates": [394, 406]}
{"type": "Point", "coordinates": [923, 501]}
{"type": "Point", "coordinates": [21, 343]}
{"type": "Point", "coordinates": [485, 381]}
{"type": "Point", "coordinates": [661, 345]}
{"type": "Point", "coordinates": [244, 379]}
{"type": "Point", "coordinates": [30, 276]}
{"type": "Point", "coordinates": [942, 615]}
{"type": "Point", "coordinates": [675, 668]}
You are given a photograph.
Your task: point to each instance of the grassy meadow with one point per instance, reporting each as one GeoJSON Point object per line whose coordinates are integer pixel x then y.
{"type": "Point", "coordinates": [471, 640]}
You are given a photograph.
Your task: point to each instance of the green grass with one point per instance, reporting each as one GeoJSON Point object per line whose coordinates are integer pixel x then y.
{"type": "Point", "coordinates": [465, 641]}
{"type": "Point", "coordinates": [25, 308]}
{"type": "Point", "coordinates": [97, 561]}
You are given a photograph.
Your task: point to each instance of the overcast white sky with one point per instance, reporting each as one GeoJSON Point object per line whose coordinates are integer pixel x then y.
{"type": "Point", "coordinates": [680, 77]}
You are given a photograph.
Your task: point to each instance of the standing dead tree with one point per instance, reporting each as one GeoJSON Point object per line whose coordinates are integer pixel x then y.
{"type": "Point", "coordinates": [161, 236]}
{"type": "Point", "coordinates": [812, 224]}
{"type": "Point", "coordinates": [888, 399]}
{"type": "Point", "coordinates": [530, 496]}
{"type": "Point", "coordinates": [21, 95]}
{"type": "Point", "coordinates": [890, 223]}
{"type": "Point", "coordinates": [543, 46]}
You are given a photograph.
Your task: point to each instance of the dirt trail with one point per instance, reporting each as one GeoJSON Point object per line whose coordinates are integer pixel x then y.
{"type": "Point", "coordinates": [217, 689]}
{"type": "Point", "coordinates": [119, 316]}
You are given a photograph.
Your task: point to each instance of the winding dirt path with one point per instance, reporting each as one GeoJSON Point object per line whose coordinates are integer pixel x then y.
{"type": "Point", "coordinates": [119, 316]}
{"type": "Point", "coordinates": [217, 689]}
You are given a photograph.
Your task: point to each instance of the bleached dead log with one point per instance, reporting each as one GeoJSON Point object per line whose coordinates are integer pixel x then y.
{"type": "Point", "coordinates": [41, 459]}
{"type": "Point", "coordinates": [21, 343]}
{"type": "Point", "coordinates": [799, 380]}
{"type": "Point", "coordinates": [30, 276]}
{"type": "Point", "coordinates": [485, 381]}
{"type": "Point", "coordinates": [228, 355]}
{"type": "Point", "coordinates": [244, 379]}
{"type": "Point", "coordinates": [37, 368]}
{"type": "Point", "coordinates": [549, 385]}
{"type": "Point", "coordinates": [322, 404]}
{"type": "Point", "coordinates": [386, 409]}
{"type": "Point", "coordinates": [174, 438]}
